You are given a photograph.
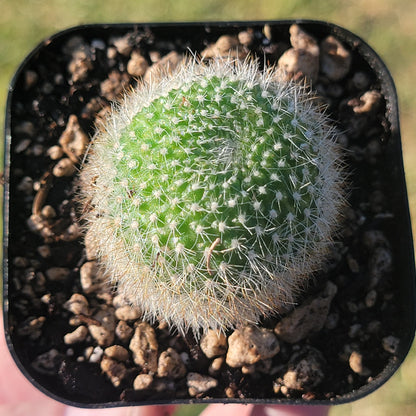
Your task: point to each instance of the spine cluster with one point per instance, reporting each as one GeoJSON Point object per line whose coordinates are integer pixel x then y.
{"type": "Point", "coordinates": [214, 194]}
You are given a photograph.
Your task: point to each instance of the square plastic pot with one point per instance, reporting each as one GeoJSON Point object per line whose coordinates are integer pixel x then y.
{"type": "Point", "coordinates": [374, 272]}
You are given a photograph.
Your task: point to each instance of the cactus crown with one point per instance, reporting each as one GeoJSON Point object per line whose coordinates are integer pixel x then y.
{"type": "Point", "coordinates": [215, 192]}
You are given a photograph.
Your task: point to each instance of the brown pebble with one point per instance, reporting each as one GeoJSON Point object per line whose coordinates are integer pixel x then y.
{"type": "Point", "coordinates": [391, 344]}
{"type": "Point", "coordinates": [356, 364]}
{"type": "Point", "coordinates": [213, 343]}
{"type": "Point", "coordinates": [171, 365]}
{"type": "Point", "coordinates": [77, 304]}
{"type": "Point", "coordinates": [78, 335]}
{"type": "Point", "coordinates": [335, 59]}
{"type": "Point", "coordinates": [128, 313]}
{"type": "Point", "coordinates": [137, 65]}
{"type": "Point", "coordinates": [104, 331]}
{"type": "Point", "coordinates": [144, 347]}
{"type": "Point", "coordinates": [117, 352]}
{"type": "Point", "coordinates": [251, 344]}
{"type": "Point", "coordinates": [64, 167]}
{"type": "Point", "coordinates": [57, 274]}
{"type": "Point", "coordinates": [308, 318]}
{"type": "Point", "coordinates": [74, 140]}
{"type": "Point", "coordinates": [123, 331]}
{"type": "Point", "coordinates": [116, 371]}
{"type": "Point", "coordinates": [198, 383]}
{"type": "Point", "coordinates": [142, 381]}
{"type": "Point", "coordinates": [369, 102]}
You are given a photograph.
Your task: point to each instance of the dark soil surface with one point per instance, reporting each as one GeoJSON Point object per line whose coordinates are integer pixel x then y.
{"type": "Point", "coordinates": [366, 324]}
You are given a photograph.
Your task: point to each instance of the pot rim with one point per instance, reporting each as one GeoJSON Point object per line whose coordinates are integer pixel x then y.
{"type": "Point", "coordinates": [392, 113]}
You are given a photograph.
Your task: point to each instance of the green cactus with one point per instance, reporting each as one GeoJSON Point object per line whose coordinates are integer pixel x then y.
{"type": "Point", "coordinates": [214, 193]}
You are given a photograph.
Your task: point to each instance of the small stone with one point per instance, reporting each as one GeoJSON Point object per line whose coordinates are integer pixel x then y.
{"type": "Point", "coordinates": [380, 263]}
{"type": "Point", "coordinates": [78, 335]}
{"type": "Point", "coordinates": [391, 344]}
{"type": "Point", "coordinates": [144, 347]}
{"type": "Point", "coordinates": [246, 37]}
{"type": "Point", "coordinates": [369, 102]}
{"type": "Point", "coordinates": [57, 274]}
{"type": "Point", "coordinates": [91, 277]}
{"type": "Point", "coordinates": [77, 304]}
{"type": "Point", "coordinates": [31, 327]}
{"type": "Point", "coordinates": [361, 80]}
{"type": "Point", "coordinates": [48, 212]}
{"type": "Point", "coordinates": [142, 382]}
{"type": "Point", "coordinates": [213, 343]}
{"type": "Point", "coordinates": [104, 332]}
{"type": "Point", "coordinates": [64, 167]}
{"type": "Point", "coordinates": [31, 78]}
{"type": "Point", "coordinates": [123, 331]}
{"type": "Point", "coordinates": [22, 146]}
{"type": "Point", "coordinates": [48, 363]}
{"type": "Point", "coordinates": [308, 318]}
{"type": "Point", "coordinates": [335, 59]}
{"type": "Point", "coordinates": [26, 185]}
{"type": "Point", "coordinates": [55, 152]}
{"type": "Point", "coordinates": [167, 63]}
{"type": "Point", "coordinates": [115, 370]}
{"type": "Point", "coordinates": [44, 251]}
{"type": "Point", "coordinates": [302, 60]}
{"type": "Point", "coordinates": [170, 365]}
{"type": "Point", "coordinates": [128, 313]}
{"type": "Point", "coordinates": [371, 299]}
{"type": "Point", "coordinates": [198, 384]}
{"type": "Point", "coordinates": [74, 140]}
{"type": "Point", "coordinates": [356, 364]}
{"type": "Point", "coordinates": [72, 233]}
{"type": "Point", "coordinates": [226, 46]}
{"type": "Point", "coordinates": [250, 345]}
{"type": "Point", "coordinates": [95, 355]}
{"type": "Point", "coordinates": [117, 352]}
{"type": "Point", "coordinates": [123, 44]}
{"type": "Point", "coordinates": [216, 365]}
{"type": "Point", "coordinates": [305, 370]}
{"type": "Point", "coordinates": [137, 65]}
{"type": "Point", "coordinates": [81, 63]}
{"type": "Point", "coordinates": [114, 86]}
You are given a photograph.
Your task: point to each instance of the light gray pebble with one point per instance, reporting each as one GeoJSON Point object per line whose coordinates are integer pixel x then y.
{"type": "Point", "coordinates": [78, 335]}
{"type": "Point", "coordinates": [26, 185]}
{"type": "Point", "coordinates": [391, 344]}
{"type": "Point", "coordinates": [308, 318]}
{"type": "Point", "coordinates": [198, 383]}
{"type": "Point", "coordinates": [48, 363]}
{"type": "Point", "coordinates": [95, 355]}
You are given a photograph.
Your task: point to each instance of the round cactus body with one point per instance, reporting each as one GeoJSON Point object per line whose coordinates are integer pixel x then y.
{"type": "Point", "coordinates": [213, 194]}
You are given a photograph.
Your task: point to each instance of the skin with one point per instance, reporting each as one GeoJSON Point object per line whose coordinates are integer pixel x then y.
{"type": "Point", "coordinates": [18, 397]}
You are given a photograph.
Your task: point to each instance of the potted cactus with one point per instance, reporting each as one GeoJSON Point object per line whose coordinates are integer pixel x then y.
{"type": "Point", "coordinates": [224, 231]}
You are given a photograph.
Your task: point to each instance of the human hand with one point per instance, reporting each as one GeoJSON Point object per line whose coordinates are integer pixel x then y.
{"type": "Point", "coordinates": [18, 397]}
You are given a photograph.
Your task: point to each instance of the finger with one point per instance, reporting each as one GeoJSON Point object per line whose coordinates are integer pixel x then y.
{"type": "Point", "coordinates": [122, 411]}
{"type": "Point", "coordinates": [290, 410]}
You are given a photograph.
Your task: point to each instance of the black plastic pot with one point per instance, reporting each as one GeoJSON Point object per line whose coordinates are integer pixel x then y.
{"type": "Point", "coordinates": [25, 284]}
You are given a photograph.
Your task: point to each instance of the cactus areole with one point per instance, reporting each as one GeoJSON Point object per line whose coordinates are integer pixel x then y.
{"type": "Point", "coordinates": [213, 194]}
